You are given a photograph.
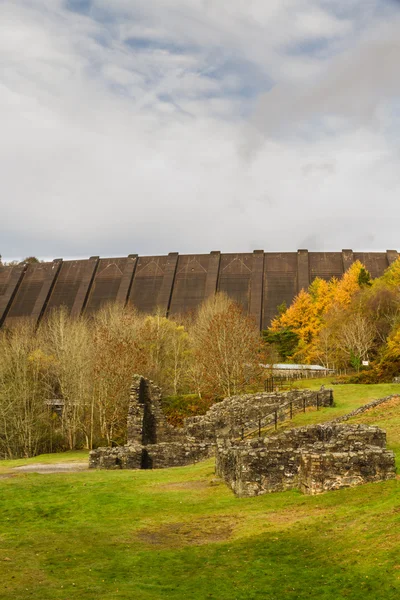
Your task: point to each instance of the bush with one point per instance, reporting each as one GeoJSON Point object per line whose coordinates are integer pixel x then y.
{"type": "Point", "coordinates": [177, 408]}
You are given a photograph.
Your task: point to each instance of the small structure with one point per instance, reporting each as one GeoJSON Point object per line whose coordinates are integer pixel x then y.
{"type": "Point", "coordinates": [298, 371]}
{"type": "Point", "coordinates": [314, 459]}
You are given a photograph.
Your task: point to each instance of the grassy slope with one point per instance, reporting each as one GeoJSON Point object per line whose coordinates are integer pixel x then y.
{"type": "Point", "coordinates": [179, 533]}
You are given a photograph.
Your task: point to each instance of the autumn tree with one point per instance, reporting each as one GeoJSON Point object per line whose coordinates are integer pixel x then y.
{"type": "Point", "coordinates": [68, 342]}
{"type": "Point", "coordinates": [115, 361]}
{"type": "Point", "coordinates": [356, 337]}
{"type": "Point", "coordinates": [24, 415]}
{"type": "Point", "coordinates": [226, 347]}
{"type": "Point", "coordinates": [307, 315]}
{"type": "Point", "coordinates": [165, 350]}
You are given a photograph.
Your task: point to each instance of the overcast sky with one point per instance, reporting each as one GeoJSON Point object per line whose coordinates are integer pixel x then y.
{"type": "Point", "coordinates": [151, 126]}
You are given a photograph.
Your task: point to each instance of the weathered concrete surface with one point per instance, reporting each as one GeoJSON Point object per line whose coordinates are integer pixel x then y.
{"type": "Point", "coordinates": [259, 281]}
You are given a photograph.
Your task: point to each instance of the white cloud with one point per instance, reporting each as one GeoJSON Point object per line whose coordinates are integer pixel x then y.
{"type": "Point", "coordinates": [128, 128]}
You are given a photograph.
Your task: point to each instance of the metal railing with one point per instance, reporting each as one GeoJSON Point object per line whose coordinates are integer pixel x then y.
{"type": "Point", "coordinates": [273, 414]}
{"type": "Point", "coordinates": [272, 382]}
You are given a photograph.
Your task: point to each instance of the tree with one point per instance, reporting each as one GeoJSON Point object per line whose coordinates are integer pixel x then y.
{"type": "Point", "coordinates": [115, 354]}
{"type": "Point", "coordinates": [307, 315]}
{"type": "Point", "coordinates": [381, 304]}
{"type": "Point", "coordinates": [24, 416]}
{"type": "Point", "coordinates": [285, 341]}
{"type": "Point", "coordinates": [226, 347]}
{"type": "Point", "coordinates": [357, 338]}
{"type": "Point", "coordinates": [30, 260]}
{"type": "Point", "coordinates": [391, 276]}
{"type": "Point", "coordinates": [69, 343]}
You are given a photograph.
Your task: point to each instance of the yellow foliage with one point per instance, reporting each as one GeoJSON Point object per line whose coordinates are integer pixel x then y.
{"type": "Point", "coordinates": [348, 285]}
{"type": "Point", "coordinates": [306, 315]}
{"type": "Point", "coordinates": [40, 359]}
{"type": "Point", "coordinates": [393, 344]}
{"type": "Point", "coordinates": [391, 276]}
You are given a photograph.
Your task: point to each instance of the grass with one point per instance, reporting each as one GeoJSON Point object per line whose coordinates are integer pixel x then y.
{"type": "Point", "coordinates": [181, 534]}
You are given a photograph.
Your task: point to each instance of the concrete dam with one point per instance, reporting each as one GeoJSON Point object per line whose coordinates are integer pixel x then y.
{"type": "Point", "coordinates": [260, 281]}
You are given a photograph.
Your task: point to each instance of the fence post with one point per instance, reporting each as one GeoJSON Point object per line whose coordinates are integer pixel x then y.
{"type": "Point", "coordinates": [276, 420]}
{"type": "Point", "coordinates": [242, 433]}
{"type": "Point", "coordinates": [291, 410]}
{"type": "Point", "coordinates": [304, 405]}
{"type": "Point", "coordinates": [317, 401]}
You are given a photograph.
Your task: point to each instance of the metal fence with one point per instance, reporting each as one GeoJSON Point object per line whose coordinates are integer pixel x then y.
{"type": "Point", "coordinates": [272, 419]}
{"type": "Point", "coordinates": [275, 381]}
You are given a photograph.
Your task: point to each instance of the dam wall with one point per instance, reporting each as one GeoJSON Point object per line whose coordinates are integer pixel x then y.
{"type": "Point", "coordinates": [175, 283]}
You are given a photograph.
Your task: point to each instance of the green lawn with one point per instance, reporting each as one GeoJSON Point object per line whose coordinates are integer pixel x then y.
{"type": "Point", "coordinates": [181, 534]}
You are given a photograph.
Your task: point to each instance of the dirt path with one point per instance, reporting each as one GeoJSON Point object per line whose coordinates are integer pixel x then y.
{"type": "Point", "coordinates": [63, 467]}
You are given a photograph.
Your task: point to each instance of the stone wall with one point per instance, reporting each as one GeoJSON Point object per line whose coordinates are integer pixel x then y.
{"type": "Point", "coordinates": [152, 443]}
{"type": "Point", "coordinates": [152, 456]}
{"type": "Point", "coordinates": [314, 459]}
{"type": "Point", "coordinates": [363, 409]}
{"type": "Point", "coordinates": [239, 414]}
{"type": "Point", "coordinates": [146, 423]}
{"type": "Point", "coordinates": [332, 471]}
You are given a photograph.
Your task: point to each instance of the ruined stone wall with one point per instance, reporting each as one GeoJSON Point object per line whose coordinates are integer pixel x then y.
{"type": "Point", "coordinates": [335, 470]}
{"type": "Point", "coordinates": [238, 414]}
{"type": "Point", "coordinates": [153, 443]}
{"type": "Point", "coordinates": [363, 409]}
{"type": "Point", "coordinates": [314, 459]}
{"type": "Point", "coordinates": [152, 456]}
{"type": "Point", "coordinates": [146, 423]}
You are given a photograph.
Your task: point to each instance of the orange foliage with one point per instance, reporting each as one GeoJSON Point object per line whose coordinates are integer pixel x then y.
{"type": "Point", "coordinates": [306, 315]}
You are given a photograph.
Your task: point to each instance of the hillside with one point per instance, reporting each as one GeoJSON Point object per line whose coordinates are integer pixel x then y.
{"type": "Point", "coordinates": [180, 533]}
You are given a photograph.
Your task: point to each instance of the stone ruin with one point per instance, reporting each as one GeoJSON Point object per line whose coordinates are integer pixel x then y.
{"type": "Point", "coordinates": [152, 443]}
{"type": "Point", "coordinates": [314, 459]}
{"type": "Point", "coordinates": [238, 415]}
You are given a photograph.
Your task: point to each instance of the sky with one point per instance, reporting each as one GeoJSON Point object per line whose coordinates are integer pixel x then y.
{"type": "Point", "coordinates": [157, 126]}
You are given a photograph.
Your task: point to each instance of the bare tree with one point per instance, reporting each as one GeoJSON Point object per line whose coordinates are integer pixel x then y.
{"type": "Point", "coordinates": [226, 347]}
{"type": "Point", "coordinates": [69, 342]}
{"type": "Point", "coordinates": [24, 417]}
{"type": "Point", "coordinates": [357, 337]}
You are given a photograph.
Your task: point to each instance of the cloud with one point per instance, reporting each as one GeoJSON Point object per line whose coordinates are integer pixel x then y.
{"type": "Point", "coordinates": [183, 125]}
{"type": "Point", "coordinates": [355, 86]}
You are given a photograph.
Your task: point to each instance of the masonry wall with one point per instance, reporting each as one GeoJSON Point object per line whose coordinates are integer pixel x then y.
{"type": "Point", "coordinates": [313, 459]}
{"type": "Point", "coordinates": [238, 414]}
{"type": "Point", "coordinates": [153, 443]}
{"type": "Point", "coordinates": [146, 422]}
{"type": "Point", "coordinates": [174, 283]}
{"type": "Point", "coordinates": [153, 456]}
